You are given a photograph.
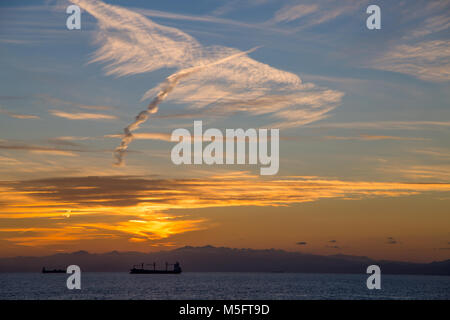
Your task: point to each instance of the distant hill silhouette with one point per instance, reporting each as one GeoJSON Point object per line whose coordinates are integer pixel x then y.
{"type": "Point", "coordinates": [221, 259]}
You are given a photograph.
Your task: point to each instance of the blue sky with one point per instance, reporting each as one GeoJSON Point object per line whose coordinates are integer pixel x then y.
{"type": "Point", "coordinates": [339, 54]}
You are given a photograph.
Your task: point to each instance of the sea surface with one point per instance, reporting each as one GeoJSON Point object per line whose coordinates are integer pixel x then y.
{"type": "Point", "coordinates": [240, 286]}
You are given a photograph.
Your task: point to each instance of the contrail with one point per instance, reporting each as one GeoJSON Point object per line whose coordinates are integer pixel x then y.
{"type": "Point", "coordinates": [169, 84]}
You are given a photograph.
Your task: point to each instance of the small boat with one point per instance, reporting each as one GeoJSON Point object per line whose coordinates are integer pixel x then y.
{"type": "Point", "coordinates": [139, 269]}
{"type": "Point", "coordinates": [53, 271]}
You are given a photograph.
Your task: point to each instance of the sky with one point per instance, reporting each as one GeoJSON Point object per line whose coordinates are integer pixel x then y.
{"type": "Point", "coordinates": [364, 120]}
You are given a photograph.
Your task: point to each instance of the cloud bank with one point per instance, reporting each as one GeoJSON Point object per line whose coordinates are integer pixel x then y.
{"type": "Point", "coordinates": [61, 210]}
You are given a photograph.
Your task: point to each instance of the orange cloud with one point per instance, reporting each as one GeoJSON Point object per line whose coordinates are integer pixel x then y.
{"type": "Point", "coordinates": [82, 115]}
{"type": "Point", "coordinates": [19, 115]}
{"type": "Point", "coordinates": [133, 208]}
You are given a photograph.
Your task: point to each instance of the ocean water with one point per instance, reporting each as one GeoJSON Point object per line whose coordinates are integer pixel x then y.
{"type": "Point", "coordinates": [190, 285]}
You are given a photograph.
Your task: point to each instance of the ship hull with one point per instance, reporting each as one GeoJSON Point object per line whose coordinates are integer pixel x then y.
{"type": "Point", "coordinates": [143, 271]}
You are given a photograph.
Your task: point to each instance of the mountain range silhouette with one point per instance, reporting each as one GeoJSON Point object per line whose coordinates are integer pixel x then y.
{"type": "Point", "coordinates": [222, 259]}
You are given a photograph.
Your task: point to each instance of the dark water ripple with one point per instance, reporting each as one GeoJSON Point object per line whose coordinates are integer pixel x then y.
{"type": "Point", "coordinates": [221, 286]}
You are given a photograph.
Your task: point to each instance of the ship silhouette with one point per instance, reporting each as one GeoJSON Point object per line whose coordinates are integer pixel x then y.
{"type": "Point", "coordinates": [139, 269]}
{"type": "Point", "coordinates": [53, 270]}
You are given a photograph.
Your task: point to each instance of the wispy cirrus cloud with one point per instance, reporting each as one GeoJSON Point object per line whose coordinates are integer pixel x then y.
{"type": "Point", "coordinates": [419, 171]}
{"type": "Point", "coordinates": [63, 146]}
{"type": "Point", "coordinates": [206, 19]}
{"type": "Point", "coordinates": [82, 115]}
{"type": "Point", "coordinates": [18, 115]}
{"type": "Point", "coordinates": [431, 25]}
{"type": "Point", "coordinates": [425, 172]}
{"type": "Point", "coordinates": [56, 102]}
{"type": "Point", "coordinates": [8, 160]}
{"type": "Point", "coordinates": [424, 50]}
{"type": "Point", "coordinates": [145, 136]}
{"type": "Point", "coordinates": [426, 60]}
{"type": "Point", "coordinates": [434, 152]}
{"type": "Point", "coordinates": [312, 13]}
{"type": "Point", "coordinates": [37, 149]}
{"type": "Point", "coordinates": [294, 12]}
{"type": "Point", "coordinates": [400, 125]}
{"type": "Point", "coordinates": [420, 51]}
{"type": "Point", "coordinates": [424, 17]}
{"type": "Point", "coordinates": [367, 137]}
{"type": "Point", "coordinates": [224, 77]}
{"type": "Point", "coordinates": [55, 152]}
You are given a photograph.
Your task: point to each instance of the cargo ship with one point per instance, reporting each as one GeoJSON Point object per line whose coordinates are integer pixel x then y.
{"type": "Point", "coordinates": [139, 269]}
{"type": "Point", "coordinates": [53, 270]}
